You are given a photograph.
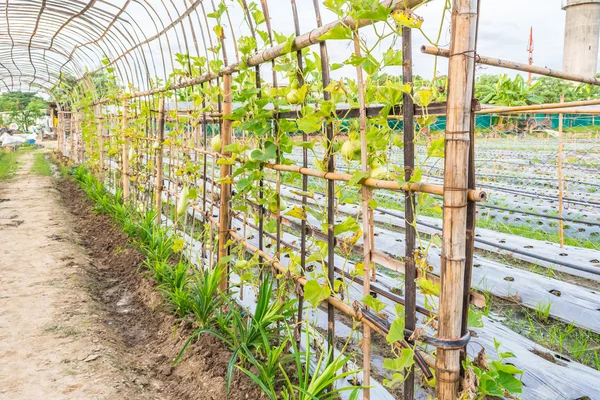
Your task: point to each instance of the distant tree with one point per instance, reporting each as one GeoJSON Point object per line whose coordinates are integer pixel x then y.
{"type": "Point", "coordinates": [24, 108]}
{"type": "Point", "coordinates": [503, 91]}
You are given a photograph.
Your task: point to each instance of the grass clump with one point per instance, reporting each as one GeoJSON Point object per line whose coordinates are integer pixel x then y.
{"type": "Point", "coordinates": [8, 164]}
{"type": "Point", "coordinates": [41, 166]}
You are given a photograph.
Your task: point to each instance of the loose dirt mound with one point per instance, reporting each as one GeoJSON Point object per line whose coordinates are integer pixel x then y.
{"type": "Point", "coordinates": [136, 309]}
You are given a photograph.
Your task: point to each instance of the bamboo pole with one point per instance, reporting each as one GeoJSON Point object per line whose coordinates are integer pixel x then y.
{"type": "Point", "coordinates": [71, 134]}
{"type": "Point", "coordinates": [497, 62]}
{"type": "Point", "coordinates": [366, 220]}
{"type": "Point", "coordinates": [461, 70]}
{"type": "Point", "coordinates": [410, 290]}
{"type": "Point", "coordinates": [125, 153]}
{"type": "Point", "coordinates": [100, 133]}
{"type": "Point", "coordinates": [559, 165]}
{"type": "Point", "coordinates": [538, 107]}
{"type": "Point", "coordinates": [475, 195]}
{"type": "Point", "coordinates": [225, 173]}
{"type": "Point", "coordinates": [158, 186]}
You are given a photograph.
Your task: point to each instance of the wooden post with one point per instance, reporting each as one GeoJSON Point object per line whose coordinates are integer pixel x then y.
{"type": "Point", "coordinates": [461, 69]}
{"type": "Point", "coordinates": [71, 131]}
{"type": "Point", "coordinates": [125, 153]}
{"type": "Point", "coordinates": [225, 172]}
{"type": "Point", "coordinates": [158, 186]}
{"type": "Point", "coordinates": [559, 165]}
{"type": "Point", "coordinates": [366, 220]}
{"type": "Point", "coordinates": [100, 133]}
{"type": "Point", "coordinates": [410, 234]}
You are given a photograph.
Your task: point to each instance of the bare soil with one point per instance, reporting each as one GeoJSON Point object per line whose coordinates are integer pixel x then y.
{"type": "Point", "coordinates": [78, 320]}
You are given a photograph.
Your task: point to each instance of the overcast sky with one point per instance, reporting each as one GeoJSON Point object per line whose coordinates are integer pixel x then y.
{"type": "Point", "coordinates": [504, 32]}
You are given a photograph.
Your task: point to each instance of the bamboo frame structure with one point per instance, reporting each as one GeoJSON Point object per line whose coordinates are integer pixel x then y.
{"type": "Point", "coordinates": [186, 125]}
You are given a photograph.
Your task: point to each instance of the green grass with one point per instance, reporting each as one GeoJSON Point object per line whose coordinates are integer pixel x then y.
{"type": "Point", "coordinates": [8, 164]}
{"type": "Point", "coordinates": [41, 166]}
{"type": "Point", "coordinates": [581, 345]}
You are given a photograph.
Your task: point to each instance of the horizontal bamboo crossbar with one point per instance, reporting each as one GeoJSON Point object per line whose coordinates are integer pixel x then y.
{"type": "Point", "coordinates": [497, 62]}
{"type": "Point", "coordinates": [474, 195]}
{"type": "Point", "coordinates": [299, 43]}
{"type": "Point", "coordinates": [538, 107]}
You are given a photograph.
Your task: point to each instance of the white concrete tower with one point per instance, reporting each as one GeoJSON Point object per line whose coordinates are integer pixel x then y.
{"type": "Point", "coordinates": [582, 32]}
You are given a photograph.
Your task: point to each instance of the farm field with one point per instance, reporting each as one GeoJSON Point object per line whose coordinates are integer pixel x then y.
{"type": "Point", "coordinates": [539, 297]}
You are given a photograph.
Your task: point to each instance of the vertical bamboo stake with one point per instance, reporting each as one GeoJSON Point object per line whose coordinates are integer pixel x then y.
{"type": "Point", "coordinates": [410, 309]}
{"type": "Point", "coordinates": [100, 133]}
{"type": "Point", "coordinates": [325, 78]}
{"type": "Point", "coordinates": [158, 186]}
{"type": "Point", "coordinates": [461, 69]}
{"type": "Point", "coordinates": [71, 131]}
{"type": "Point", "coordinates": [125, 153]}
{"type": "Point", "coordinates": [366, 221]}
{"type": "Point", "coordinates": [559, 165]}
{"type": "Point", "coordinates": [225, 173]}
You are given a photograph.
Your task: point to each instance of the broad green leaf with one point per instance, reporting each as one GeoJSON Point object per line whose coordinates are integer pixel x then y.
{"type": "Point", "coordinates": [374, 304]}
{"type": "Point", "coordinates": [340, 32]}
{"type": "Point", "coordinates": [357, 177]}
{"type": "Point", "coordinates": [315, 293]}
{"type": "Point", "coordinates": [177, 246]}
{"type": "Point", "coordinates": [297, 212]}
{"type": "Point", "coordinates": [475, 319]}
{"type": "Point", "coordinates": [396, 332]}
{"type": "Point", "coordinates": [506, 368]}
{"type": "Point", "coordinates": [349, 225]}
{"type": "Point", "coordinates": [400, 364]}
{"type": "Point", "coordinates": [428, 287]}
{"type": "Point", "coordinates": [309, 124]}
{"type": "Point", "coordinates": [509, 382]}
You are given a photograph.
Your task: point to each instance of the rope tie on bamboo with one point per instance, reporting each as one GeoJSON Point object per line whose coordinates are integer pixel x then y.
{"type": "Point", "coordinates": [465, 53]}
{"type": "Point", "coordinates": [462, 136]}
{"type": "Point", "coordinates": [444, 257]}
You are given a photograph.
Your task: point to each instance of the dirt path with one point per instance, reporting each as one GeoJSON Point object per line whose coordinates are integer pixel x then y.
{"type": "Point", "coordinates": [77, 321]}
{"type": "Point", "coordinates": [48, 329]}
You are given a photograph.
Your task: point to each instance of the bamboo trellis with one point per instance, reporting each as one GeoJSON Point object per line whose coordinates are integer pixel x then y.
{"type": "Point", "coordinates": [153, 139]}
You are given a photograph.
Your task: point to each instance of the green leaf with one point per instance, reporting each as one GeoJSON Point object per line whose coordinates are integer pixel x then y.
{"type": "Point", "coordinates": [428, 287]}
{"type": "Point", "coordinates": [488, 386]}
{"type": "Point", "coordinates": [374, 304]}
{"type": "Point", "coordinates": [309, 124]}
{"type": "Point", "coordinates": [297, 212]}
{"type": "Point", "coordinates": [401, 364]}
{"type": "Point", "coordinates": [475, 319]}
{"type": "Point", "coordinates": [392, 57]}
{"type": "Point", "coordinates": [357, 177]}
{"type": "Point", "coordinates": [340, 32]}
{"type": "Point", "coordinates": [315, 293]}
{"type": "Point", "coordinates": [506, 368]}
{"type": "Point", "coordinates": [349, 225]}
{"type": "Point", "coordinates": [509, 382]}
{"type": "Point", "coordinates": [435, 148]}
{"type": "Point", "coordinates": [396, 332]}
{"type": "Point", "coordinates": [177, 246]}
{"type": "Point", "coordinates": [380, 13]}
{"type": "Point", "coordinates": [370, 65]}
